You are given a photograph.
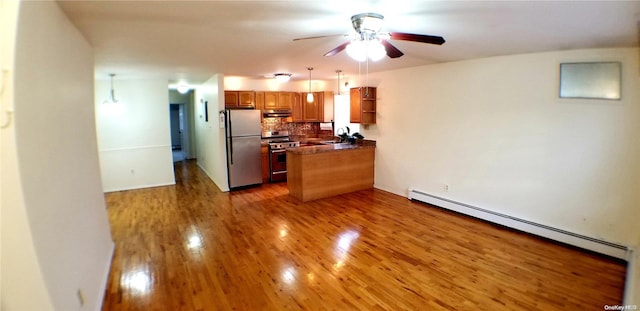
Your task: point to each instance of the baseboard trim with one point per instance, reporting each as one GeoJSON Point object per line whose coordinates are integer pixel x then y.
{"type": "Point", "coordinates": [140, 187]}
{"type": "Point", "coordinates": [105, 278]}
{"type": "Point", "coordinates": [212, 179]}
{"type": "Point", "coordinates": [631, 291]}
{"type": "Point", "coordinates": [556, 234]}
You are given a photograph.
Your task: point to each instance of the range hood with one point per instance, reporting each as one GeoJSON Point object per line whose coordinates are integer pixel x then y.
{"type": "Point", "coordinates": [278, 113]}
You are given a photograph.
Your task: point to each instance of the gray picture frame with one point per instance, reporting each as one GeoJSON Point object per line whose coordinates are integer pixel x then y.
{"type": "Point", "coordinates": [591, 80]}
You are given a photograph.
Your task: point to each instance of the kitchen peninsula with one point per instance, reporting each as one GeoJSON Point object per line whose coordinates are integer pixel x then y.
{"type": "Point", "coordinates": [325, 170]}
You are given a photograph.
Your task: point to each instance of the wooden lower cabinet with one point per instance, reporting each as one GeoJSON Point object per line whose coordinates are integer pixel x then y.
{"type": "Point", "coordinates": [319, 175]}
{"type": "Point", "coordinates": [264, 154]}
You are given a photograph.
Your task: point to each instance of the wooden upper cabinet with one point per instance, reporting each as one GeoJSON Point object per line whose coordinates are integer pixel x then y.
{"type": "Point", "coordinates": [247, 99]}
{"type": "Point", "coordinates": [239, 99]}
{"type": "Point", "coordinates": [270, 100]}
{"type": "Point", "coordinates": [296, 107]}
{"type": "Point", "coordinates": [278, 100]}
{"type": "Point", "coordinates": [260, 100]}
{"type": "Point", "coordinates": [313, 111]}
{"type": "Point", "coordinates": [230, 99]}
{"type": "Point", "coordinates": [285, 100]}
{"type": "Point", "coordinates": [363, 105]}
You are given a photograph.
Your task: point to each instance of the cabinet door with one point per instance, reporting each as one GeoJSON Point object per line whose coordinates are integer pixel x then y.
{"type": "Point", "coordinates": [355, 104]}
{"type": "Point", "coordinates": [246, 99]}
{"type": "Point", "coordinates": [230, 99]}
{"type": "Point", "coordinates": [264, 155]}
{"type": "Point", "coordinates": [270, 100]}
{"type": "Point", "coordinates": [260, 100]}
{"type": "Point", "coordinates": [297, 107]}
{"type": "Point", "coordinates": [285, 100]}
{"type": "Point", "coordinates": [311, 110]}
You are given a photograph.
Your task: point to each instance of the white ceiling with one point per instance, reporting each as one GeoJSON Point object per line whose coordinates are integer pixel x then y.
{"type": "Point", "coordinates": [193, 40]}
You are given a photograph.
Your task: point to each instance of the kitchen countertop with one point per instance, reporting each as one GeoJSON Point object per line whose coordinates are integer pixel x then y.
{"type": "Point", "coordinates": [318, 148]}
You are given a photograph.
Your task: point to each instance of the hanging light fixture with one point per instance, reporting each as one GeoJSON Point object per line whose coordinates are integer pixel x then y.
{"type": "Point", "coordinates": [112, 99]}
{"type": "Point", "coordinates": [282, 77]}
{"type": "Point", "coordinates": [183, 88]}
{"type": "Point", "coordinates": [366, 43]}
{"type": "Point", "coordinates": [360, 49]}
{"type": "Point", "coordinates": [309, 95]}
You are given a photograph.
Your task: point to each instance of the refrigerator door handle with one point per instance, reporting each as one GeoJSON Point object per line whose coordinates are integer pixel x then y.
{"type": "Point", "coordinates": [230, 136]}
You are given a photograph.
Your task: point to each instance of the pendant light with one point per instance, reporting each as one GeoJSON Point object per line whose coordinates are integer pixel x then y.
{"type": "Point", "coordinates": [309, 95]}
{"type": "Point", "coordinates": [112, 99]}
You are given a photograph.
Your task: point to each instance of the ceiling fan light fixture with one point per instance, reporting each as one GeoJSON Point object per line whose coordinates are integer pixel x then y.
{"type": "Point", "coordinates": [357, 49]}
{"type": "Point", "coordinates": [367, 22]}
{"type": "Point", "coordinates": [282, 77]}
{"type": "Point", "coordinates": [376, 50]}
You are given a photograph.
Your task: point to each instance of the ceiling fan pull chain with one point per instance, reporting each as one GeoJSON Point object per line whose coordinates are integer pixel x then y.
{"type": "Point", "coordinates": [359, 74]}
{"type": "Point", "coordinates": [366, 90]}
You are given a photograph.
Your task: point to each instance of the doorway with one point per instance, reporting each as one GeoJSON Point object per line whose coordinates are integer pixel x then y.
{"type": "Point", "coordinates": [181, 122]}
{"type": "Point", "coordinates": [177, 120]}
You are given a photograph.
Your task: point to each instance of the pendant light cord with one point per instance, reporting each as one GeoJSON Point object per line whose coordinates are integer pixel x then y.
{"type": "Point", "coordinates": [310, 68]}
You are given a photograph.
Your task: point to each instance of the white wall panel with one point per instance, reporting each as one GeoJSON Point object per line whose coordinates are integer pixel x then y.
{"type": "Point", "coordinates": [495, 131]}
{"type": "Point", "coordinates": [134, 135]}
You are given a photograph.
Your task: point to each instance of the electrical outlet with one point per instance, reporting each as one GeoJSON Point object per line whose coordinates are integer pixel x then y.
{"type": "Point", "coordinates": [446, 188]}
{"type": "Point", "coordinates": [81, 297]}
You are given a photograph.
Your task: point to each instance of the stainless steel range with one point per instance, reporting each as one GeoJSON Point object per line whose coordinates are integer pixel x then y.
{"type": "Point", "coordinates": [278, 143]}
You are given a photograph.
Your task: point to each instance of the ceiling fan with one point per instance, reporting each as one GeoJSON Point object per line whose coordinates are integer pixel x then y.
{"type": "Point", "coordinates": [369, 41]}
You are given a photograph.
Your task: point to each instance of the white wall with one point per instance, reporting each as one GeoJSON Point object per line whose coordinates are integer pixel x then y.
{"type": "Point", "coordinates": [495, 131]}
{"type": "Point", "coordinates": [236, 83]}
{"type": "Point", "coordinates": [341, 115]}
{"type": "Point", "coordinates": [55, 232]}
{"type": "Point", "coordinates": [134, 136]}
{"type": "Point", "coordinates": [210, 139]}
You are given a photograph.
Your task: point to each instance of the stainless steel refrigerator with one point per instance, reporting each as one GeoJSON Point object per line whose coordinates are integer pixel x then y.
{"type": "Point", "coordinates": [243, 130]}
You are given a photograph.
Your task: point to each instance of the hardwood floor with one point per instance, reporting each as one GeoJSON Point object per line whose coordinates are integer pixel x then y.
{"type": "Point", "coordinates": [192, 247]}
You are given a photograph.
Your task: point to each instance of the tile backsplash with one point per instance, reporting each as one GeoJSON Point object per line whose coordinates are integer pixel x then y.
{"type": "Point", "coordinates": [311, 129]}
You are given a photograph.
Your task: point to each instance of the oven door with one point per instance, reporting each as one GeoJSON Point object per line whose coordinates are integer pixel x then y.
{"type": "Point", "coordinates": [278, 165]}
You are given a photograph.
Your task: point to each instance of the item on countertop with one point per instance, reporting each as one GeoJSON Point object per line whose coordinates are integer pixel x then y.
{"type": "Point", "coordinates": [348, 137]}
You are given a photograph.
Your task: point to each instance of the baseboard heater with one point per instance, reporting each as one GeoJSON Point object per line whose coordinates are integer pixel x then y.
{"type": "Point", "coordinates": [589, 243]}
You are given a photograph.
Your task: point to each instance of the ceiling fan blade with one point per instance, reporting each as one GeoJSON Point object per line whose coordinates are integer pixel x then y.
{"type": "Point", "coordinates": [318, 37]}
{"type": "Point", "coordinates": [392, 51]}
{"type": "Point", "coordinates": [417, 38]}
{"type": "Point", "coordinates": [338, 49]}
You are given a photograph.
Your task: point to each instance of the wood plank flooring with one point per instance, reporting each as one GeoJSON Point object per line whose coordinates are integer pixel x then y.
{"type": "Point", "coordinates": [192, 247]}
